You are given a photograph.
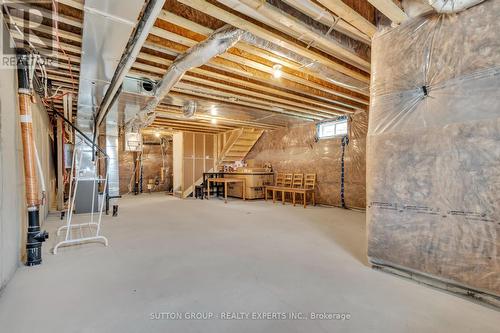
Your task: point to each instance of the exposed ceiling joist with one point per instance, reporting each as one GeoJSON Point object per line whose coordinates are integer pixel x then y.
{"type": "Point", "coordinates": [350, 15]}
{"type": "Point", "coordinates": [240, 82]}
{"type": "Point", "coordinates": [390, 9]}
{"type": "Point", "coordinates": [328, 19]}
{"type": "Point", "coordinates": [246, 67]}
{"type": "Point", "coordinates": [241, 23]}
{"type": "Point", "coordinates": [292, 26]}
{"type": "Point", "coordinates": [164, 112]}
{"type": "Point", "coordinates": [231, 80]}
{"type": "Point", "coordinates": [72, 3]}
{"type": "Point", "coordinates": [199, 29]}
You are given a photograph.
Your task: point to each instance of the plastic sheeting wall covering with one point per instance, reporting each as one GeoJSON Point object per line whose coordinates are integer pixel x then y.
{"type": "Point", "coordinates": [433, 153]}
{"type": "Point", "coordinates": [295, 149]}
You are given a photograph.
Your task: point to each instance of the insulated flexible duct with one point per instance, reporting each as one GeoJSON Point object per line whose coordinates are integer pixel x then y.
{"type": "Point", "coordinates": [452, 6]}
{"type": "Point", "coordinates": [217, 43]}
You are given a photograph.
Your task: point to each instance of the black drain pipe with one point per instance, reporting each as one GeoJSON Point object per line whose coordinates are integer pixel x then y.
{"type": "Point", "coordinates": [35, 236]}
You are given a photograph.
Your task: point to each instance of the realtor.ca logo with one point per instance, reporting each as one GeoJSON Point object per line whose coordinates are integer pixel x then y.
{"type": "Point", "coordinates": [29, 25]}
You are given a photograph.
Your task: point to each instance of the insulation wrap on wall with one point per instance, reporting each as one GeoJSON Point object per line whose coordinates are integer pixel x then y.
{"type": "Point", "coordinates": [296, 149]}
{"type": "Point", "coordinates": [152, 161]}
{"type": "Point", "coordinates": [433, 152]}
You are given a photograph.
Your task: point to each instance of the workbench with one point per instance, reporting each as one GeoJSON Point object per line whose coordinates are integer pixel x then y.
{"type": "Point", "coordinates": [225, 181]}
{"type": "Point", "coordinates": [255, 183]}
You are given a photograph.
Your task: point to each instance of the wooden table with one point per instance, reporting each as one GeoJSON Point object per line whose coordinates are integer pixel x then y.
{"type": "Point", "coordinates": [225, 181]}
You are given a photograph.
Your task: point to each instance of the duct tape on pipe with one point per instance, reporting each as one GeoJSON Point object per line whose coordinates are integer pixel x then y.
{"type": "Point", "coordinates": [26, 118]}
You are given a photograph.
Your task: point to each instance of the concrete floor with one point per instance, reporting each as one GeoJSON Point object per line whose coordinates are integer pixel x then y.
{"type": "Point", "coordinates": [185, 256]}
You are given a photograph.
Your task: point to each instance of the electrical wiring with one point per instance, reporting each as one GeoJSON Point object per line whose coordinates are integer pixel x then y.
{"type": "Point", "coordinates": [44, 70]}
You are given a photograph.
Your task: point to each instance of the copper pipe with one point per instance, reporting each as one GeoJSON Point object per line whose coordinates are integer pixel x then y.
{"type": "Point", "coordinates": [31, 181]}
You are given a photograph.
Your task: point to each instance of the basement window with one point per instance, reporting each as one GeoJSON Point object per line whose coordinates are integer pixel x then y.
{"type": "Point", "coordinates": [332, 128]}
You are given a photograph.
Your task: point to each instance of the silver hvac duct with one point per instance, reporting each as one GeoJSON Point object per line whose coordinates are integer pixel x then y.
{"type": "Point", "coordinates": [107, 27]}
{"type": "Point", "coordinates": [217, 43]}
{"type": "Point", "coordinates": [151, 12]}
{"type": "Point", "coordinates": [452, 6]}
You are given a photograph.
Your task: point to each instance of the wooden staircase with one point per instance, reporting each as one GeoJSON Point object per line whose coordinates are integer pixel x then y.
{"type": "Point", "coordinates": [239, 144]}
{"type": "Point", "coordinates": [236, 148]}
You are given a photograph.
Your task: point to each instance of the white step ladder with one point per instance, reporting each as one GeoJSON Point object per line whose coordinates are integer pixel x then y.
{"type": "Point", "coordinates": [88, 231]}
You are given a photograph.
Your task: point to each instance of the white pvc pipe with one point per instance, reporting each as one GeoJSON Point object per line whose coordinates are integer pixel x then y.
{"type": "Point", "coordinates": [40, 172]}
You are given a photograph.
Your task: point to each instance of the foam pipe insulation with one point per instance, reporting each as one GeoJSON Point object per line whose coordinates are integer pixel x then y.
{"type": "Point", "coordinates": [216, 44]}
{"type": "Point", "coordinates": [452, 6]}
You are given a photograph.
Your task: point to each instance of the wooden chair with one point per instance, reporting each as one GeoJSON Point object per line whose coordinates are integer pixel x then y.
{"type": "Point", "coordinates": [309, 187]}
{"type": "Point", "coordinates": [297, 182]}
{"type": "Point", "coordinates": [287, 183]}
{"type": "Point", "coordinates": [280, 177]}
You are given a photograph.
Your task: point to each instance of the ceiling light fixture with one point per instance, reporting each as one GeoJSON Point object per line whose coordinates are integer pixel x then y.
{"type": "Point", "coordinates": [157, 134]}
{"type": "Point", "coordinates": [277, 72]}
{"type": "Point", "coordinates": [213, 121]}
{"type": "Point", "coordinates": [213, 111]}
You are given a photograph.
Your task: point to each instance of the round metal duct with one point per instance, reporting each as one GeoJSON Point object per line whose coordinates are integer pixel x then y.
{"type": "Point", "coordinates": [189, 109]}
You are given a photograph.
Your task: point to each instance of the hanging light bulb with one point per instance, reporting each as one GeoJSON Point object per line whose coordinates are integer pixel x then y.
{"type": "Point", "coordinates": [277, 71]}
{"type": "Point", "coordinates": [213, 121]}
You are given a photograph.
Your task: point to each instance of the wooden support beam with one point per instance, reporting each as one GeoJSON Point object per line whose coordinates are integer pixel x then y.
{"type": "Point", "coordinates": [248, 101]}
{"type": "Point", "coordinates": [275, 59]}
{"type": "Point", "coordinates": [164, 112]}
{"type": "Point", "coordinates": [245, 67]}
{"type": "Point", "coordinates": [48, 30]}
{"type": "Point", "coordinates": [294, 27]}
{"type": "Point", "coordinates": [49, 14]}
{"type": "Point", "coordinates": [72, 3]}
{"type": "Point", "coordinates": [212, 97]}
{"type": "Point", "coordinates": [350, 16]}
{"type": "Point", "coordinates": [221, 14]}
{"type": "Point", "coordinates": [390, 9]}
{"type": "Point", "coordinates": [333, 110]}
{"type": "Point", "coordinates": [186, 127]}
{"type": "Point", "coordinates": [329, 19]}
{"type": "Point", "coordinates": [310, 100]}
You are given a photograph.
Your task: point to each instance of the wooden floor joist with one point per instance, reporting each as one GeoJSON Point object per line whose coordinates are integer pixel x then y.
{"type": "Point", "coordinates": [276, 59]}
{"type": "Point", "coordinates": [390, 9]}
{"type": "Point", "coordinates": [304, 105]}
{"type": "Point", "coordinates": [240, 79]}
{"type": "Point", "coordinates": [237, 21]}
{"type": "Point", "coordinates": [254, 70]}
{"type": "Point", "coordinates": [350, 16]}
